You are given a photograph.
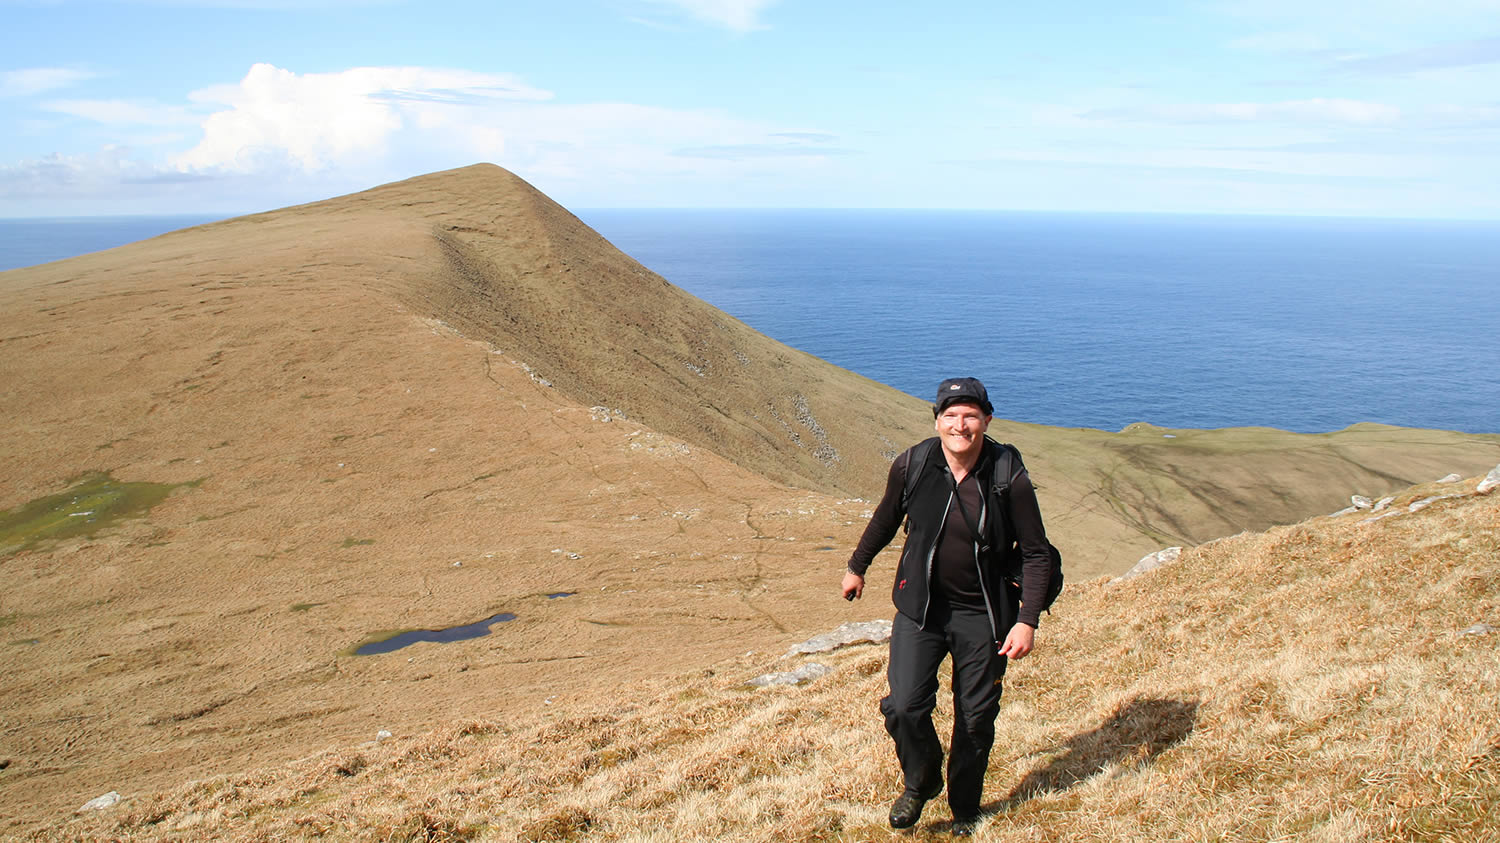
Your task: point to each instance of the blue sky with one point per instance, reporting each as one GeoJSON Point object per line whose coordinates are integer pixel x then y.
{"type": "Point", "coordinates": [1328, 107]}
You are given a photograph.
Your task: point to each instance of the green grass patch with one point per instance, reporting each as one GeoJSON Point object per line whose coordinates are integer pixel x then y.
{"type": "Point", "coordinates": [303, 607]}
{"type": "Point", "coordinates": [353, 542]}
{"type": "Point", "coordinates": [96, 501]}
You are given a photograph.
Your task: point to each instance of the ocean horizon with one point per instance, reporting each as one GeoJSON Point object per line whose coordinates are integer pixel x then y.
{"type": "Point", "coordinates": [1307, 324]}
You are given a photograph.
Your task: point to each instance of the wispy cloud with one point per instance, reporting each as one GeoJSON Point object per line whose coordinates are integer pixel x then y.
{"type": "Point", "coordinates": [1319, 111]}
{"type": "Point", "coordinates": [124, 112]}
{"type": "Point", "coordinates": [742, 151]}
{"type": "Point", "coordinates": [1281, 42]}
{"type": "Point", "coordinates": [39, 80]}
{"type": "Point", "coordinates": [806, 137]}
{"type": "Point", "coordinates": [737, 15]}
{"type": "Point", "coordinates": [1479, 51]}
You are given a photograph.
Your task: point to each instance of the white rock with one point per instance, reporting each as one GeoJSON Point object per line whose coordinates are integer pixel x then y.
{"type": "Point", "coordinates": [1479, 629]}
{"type": "Point", "coordinates": [1150, 562]}
{"type": "Point", "coordinates": [853, 632]}
{"type": "Point", "coordinates": [1375, 518]}
{"type": "Point", "coordinates": [805, 673]}
{"type": "Point", "coordinates": [383, 735]}
{"type": "Point", "coordinates": [101, 803]}
{"type": "Point", "coordinates": [1384, 502]}
{"type": "Point", "coordinates": [1490, 481]}
{"type": "Point", "coordinates": [1426, 502]}
{"type": "Point", "coordinates": [1345, 511]}
{"type": "Point", "coordinates": [1360, 502]}
{"type": "Point", "coordinates": [1451, 478]}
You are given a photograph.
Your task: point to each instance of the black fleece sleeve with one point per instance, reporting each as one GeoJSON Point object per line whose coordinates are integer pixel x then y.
{"type": "Point", "coordinates": [885, 521]}
{"type": "Point", "coordinates": [1036, 562]}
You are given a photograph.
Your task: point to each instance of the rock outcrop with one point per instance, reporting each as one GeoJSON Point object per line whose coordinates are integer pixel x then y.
{"type": "Point", "coordinates": [805, 673]}
{"type": "Point", "coordinates": [1150, 562]}
{"type": "Point", "coordinates": [854, 632]}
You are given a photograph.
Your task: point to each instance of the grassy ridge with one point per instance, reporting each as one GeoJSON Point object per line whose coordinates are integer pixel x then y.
{"type": "Point", "coordinates": [1312, 682]}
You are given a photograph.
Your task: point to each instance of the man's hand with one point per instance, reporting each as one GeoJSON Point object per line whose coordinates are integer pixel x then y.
{"type": "Point", "coordinates": [854, 585]}
{"type": "Point", "coordinates": [1019, 641]}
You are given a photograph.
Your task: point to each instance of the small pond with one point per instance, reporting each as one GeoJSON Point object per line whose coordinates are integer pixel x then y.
{"type": "Point", "coordinates": [439, 636]}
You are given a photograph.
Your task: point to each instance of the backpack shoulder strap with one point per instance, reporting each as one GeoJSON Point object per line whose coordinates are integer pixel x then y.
{"type": "Point", "coordinates": [916, 460]}
{"type": "Point", "coordinates": [1008, 467]}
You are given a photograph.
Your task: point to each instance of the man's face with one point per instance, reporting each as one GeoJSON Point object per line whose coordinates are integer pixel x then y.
{"type": "Point", "coordinates": [961, 427]}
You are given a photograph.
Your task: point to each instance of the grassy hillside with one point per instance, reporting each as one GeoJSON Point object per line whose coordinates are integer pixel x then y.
{"type": "Point", "coordinates": [1322, 681]}
{"type": "Point", "coordinates": [236, 452]}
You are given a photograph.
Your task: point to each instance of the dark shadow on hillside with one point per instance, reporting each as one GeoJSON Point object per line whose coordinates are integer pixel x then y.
{"type": "Point", "coordinates": [1135, 734]}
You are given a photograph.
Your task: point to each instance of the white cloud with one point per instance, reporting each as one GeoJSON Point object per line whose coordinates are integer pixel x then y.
{"type": "Point", "coordinates": [1319, 111]}
{"type": "Point", "coordinates": [738, 15]}
{"type": "Point", "coordinates": [315, 121]}
{"type": "Point", "coordinates": [382, 121]}
{"type": "Point", "coordinates": [278, 137]}
{"type": "Point", "coordinates": [38, 80]}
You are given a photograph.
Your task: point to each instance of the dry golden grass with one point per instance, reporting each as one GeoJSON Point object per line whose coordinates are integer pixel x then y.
{"type": "Point", "coordinates": [1307, 683]}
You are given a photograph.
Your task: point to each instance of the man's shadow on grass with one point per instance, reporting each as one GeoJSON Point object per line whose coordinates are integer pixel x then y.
{"type": "Point", "coordinates": [1135, 734]}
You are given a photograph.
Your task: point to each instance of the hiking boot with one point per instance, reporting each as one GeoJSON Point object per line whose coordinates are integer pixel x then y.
{"type": "Point", "coordinates": [906, 810]}
{"type": "Point", "coordinates": [964, 826]}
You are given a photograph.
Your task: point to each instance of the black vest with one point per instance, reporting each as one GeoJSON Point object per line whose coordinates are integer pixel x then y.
{"type": "Point", "coordinates": [925, 511]}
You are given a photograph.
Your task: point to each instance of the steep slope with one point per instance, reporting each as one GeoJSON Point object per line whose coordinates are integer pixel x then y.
{"type": "Point", "coordinates": [1332, 680]}
{"type": "Point", "coordinates": [505, 264]}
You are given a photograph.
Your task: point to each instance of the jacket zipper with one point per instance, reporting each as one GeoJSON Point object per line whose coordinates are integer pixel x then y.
{"type": "Point", "coordinates": [984, 589]}
{"type": "Point", "coordinates": [931, 552]}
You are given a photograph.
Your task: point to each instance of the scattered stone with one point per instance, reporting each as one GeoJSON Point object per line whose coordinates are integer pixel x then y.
{"type": "Point", "coordinates": [1480, 629]}
{"type": "Point", "coordinates": [854, 632]}
{"type": "Point", "coordinates": [1451, 478]}
{"type": "Point", "coordinates": [1375, 518]}
{"type": "Point", "coordinates": [1426, 502]}
{"type": "Point", "coordinates": [805, 673]}
{"type": "Point", "coordinates": [1361, 502]}
{"type": "Point", "coordinates": [1151, 561]}
{"type": "Point", "coordinates": [1345, 511]}
{"type": "Point", "coordinates": [1490, 481]}
{"type": "Point", "coordinates": [101, 803]}
{"type": "Point", "coordinates": [1384, 502]}
{"type": "Point", "coordinates": [383, 735]}
{"type": "Point", "coordinates": [4, 762]}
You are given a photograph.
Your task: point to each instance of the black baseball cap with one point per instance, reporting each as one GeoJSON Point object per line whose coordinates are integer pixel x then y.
{"type": "Point", "coordinates": [969, 390]}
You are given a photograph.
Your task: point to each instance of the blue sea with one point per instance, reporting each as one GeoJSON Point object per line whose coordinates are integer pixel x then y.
{"type": "Point", "coordinates": [1079, 320]}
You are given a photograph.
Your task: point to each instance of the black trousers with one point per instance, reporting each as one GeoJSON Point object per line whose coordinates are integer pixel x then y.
{"type": "Point", "coordinates": [978, 672]}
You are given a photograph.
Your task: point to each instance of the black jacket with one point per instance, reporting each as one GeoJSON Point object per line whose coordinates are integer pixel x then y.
{"type": "Point", "coordinates": [927, 508]}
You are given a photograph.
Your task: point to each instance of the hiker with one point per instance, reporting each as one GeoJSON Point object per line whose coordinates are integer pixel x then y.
{"type": "Point", "coordinates": [952, 597]}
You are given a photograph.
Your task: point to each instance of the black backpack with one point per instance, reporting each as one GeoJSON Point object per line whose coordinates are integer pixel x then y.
{"type": "Point", "coordinates": [1005, 472]}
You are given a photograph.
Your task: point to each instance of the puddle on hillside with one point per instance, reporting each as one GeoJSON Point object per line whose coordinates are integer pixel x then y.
{"type": "Point", "coordinates": [95, 502]}
{"type": "Point", "coordinates": [558, 595]}
{"type": "Point", "coordinates": [390, 642]}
